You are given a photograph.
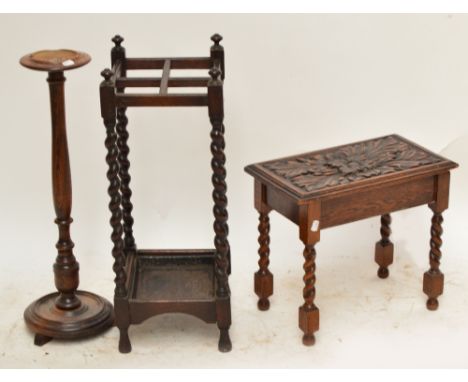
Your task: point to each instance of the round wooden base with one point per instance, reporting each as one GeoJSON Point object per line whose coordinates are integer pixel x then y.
{"type": "Point", "coordinates": [92, 317]}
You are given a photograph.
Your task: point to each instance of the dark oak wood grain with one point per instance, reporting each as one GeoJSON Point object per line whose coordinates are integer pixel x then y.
{"type": "Point", "coordinates": [153, 282]}
{"type": "Point", "coordinates": [330, 187]}
{"type": "Point", "coordinates": [374, 201]}
{"type": "Point", "coordinates": [391, 158]}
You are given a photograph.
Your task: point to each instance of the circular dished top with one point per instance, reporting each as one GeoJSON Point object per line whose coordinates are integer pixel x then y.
{"type": "Point", "coordinates": [55, 60]}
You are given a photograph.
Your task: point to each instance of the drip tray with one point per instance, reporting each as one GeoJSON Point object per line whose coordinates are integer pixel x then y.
{"type": "Point", "coordinates": [174, 275]}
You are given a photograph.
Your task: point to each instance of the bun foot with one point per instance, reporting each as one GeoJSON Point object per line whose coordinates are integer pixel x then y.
{"type": "Point", "coordinates": [433, 287]}
{"type": "Point", "coordinates": [432, 304]}
{"type": "Point", "coordinates": [124, 342]}
{"type": "Point", "coordinates": [384, 248]}
{"type": "Point", "coordinates": [383, 272]}
{"type": "Point", "coordinates": [308, 339]}
{"type": "Point", "coordinates": [224, 344]}
{"type": "Point", "coordinates": [263, 304]}
{"type": "Point", "coordinates": [40, 340]}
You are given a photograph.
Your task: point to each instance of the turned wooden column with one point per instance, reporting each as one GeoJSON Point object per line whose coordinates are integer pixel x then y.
{"type": "Point", "coordinates": [433, 281]}
{"type": "Point", "coordinates": [108, 113]}
{"type": "Point", "coordinates": [68, 313]}
{"type": "Point", "coordinates": [384, 247]}
{"type": "Point", "coordinates": [263, 278]}
{"type": "Point", "coordinates": [118, 56]}
{"type": "Point", "coordinates": [309, 232]}
{"type": "Point", "coordinates": [308, 312]}
{"type": "Point", "coordinates": [220, 213]}
{"type": "Point", "coordinates": [65, 267]}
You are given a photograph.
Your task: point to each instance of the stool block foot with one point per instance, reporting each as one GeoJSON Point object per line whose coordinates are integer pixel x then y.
{"type": "Point", "coordinates": [384, 258]}
{"type": "Point", "coordinates": [308, 323]}
{"type": "Point", "coordinates": [433, 287]}
{"type": "Point", "coordinates": [384, 247]}
{"type": "Point", "coordinates": [263, 285]}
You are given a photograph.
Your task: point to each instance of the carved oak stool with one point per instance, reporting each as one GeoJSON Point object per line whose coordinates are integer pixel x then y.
{"type": "Point", "coordinates": [326, 188]}
{"type": "Point", "coordinates": [68, 313]}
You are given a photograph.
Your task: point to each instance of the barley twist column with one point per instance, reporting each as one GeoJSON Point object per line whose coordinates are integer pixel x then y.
{"type": "Point", "coordinates": [216, 114]}
{"type": "Point", "coordinates": [384, 247]}
{"type": "Point", "coordinates": [263, 277]}
{"type": "Point", "coordinates": [118, 59]}
{"type": "Point", "coordinates": [219, 197]}
{"type": "Point", "coordinates": [125, 190]}
{"type": "Point", "coordinates": [433, 284]}
{"type": "Point", "coordinates": [308, 312]}
{"type": "Point", "coordinates": [114, 189]}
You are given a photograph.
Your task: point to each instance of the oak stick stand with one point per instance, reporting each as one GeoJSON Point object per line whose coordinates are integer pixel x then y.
{"type": "Point", "coordinates": [153, 282]}
{"type": "Point", "coordinates": [69, 313]}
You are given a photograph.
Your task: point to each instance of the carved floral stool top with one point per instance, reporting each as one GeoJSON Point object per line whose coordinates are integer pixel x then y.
{"type": "Point", "coordinates": [326, 188]}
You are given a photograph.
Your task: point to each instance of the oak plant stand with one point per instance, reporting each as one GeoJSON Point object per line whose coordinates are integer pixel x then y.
{"type": "Point", "coordinates": [152, 282]}
{"type": "Point", "coordinates": [68, 313]}
{"type": "Point", "coordinates": [326, 188]}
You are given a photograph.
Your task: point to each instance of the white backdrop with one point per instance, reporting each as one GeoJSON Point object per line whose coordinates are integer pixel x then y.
{"type": "Point", "coordinates": [294, 83]}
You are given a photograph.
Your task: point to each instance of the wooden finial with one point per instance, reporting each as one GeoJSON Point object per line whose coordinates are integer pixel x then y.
{"type": "Point", "coordinates": [216, 38]}
{"type": "Point", "coordinates": [117, 40]}
{"type": "Point", "coordinates": [217, 53]}
{"type": "Point", "coordinates": [107, 74]}
{"type": "Point", "coordinates": [118, 54]}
